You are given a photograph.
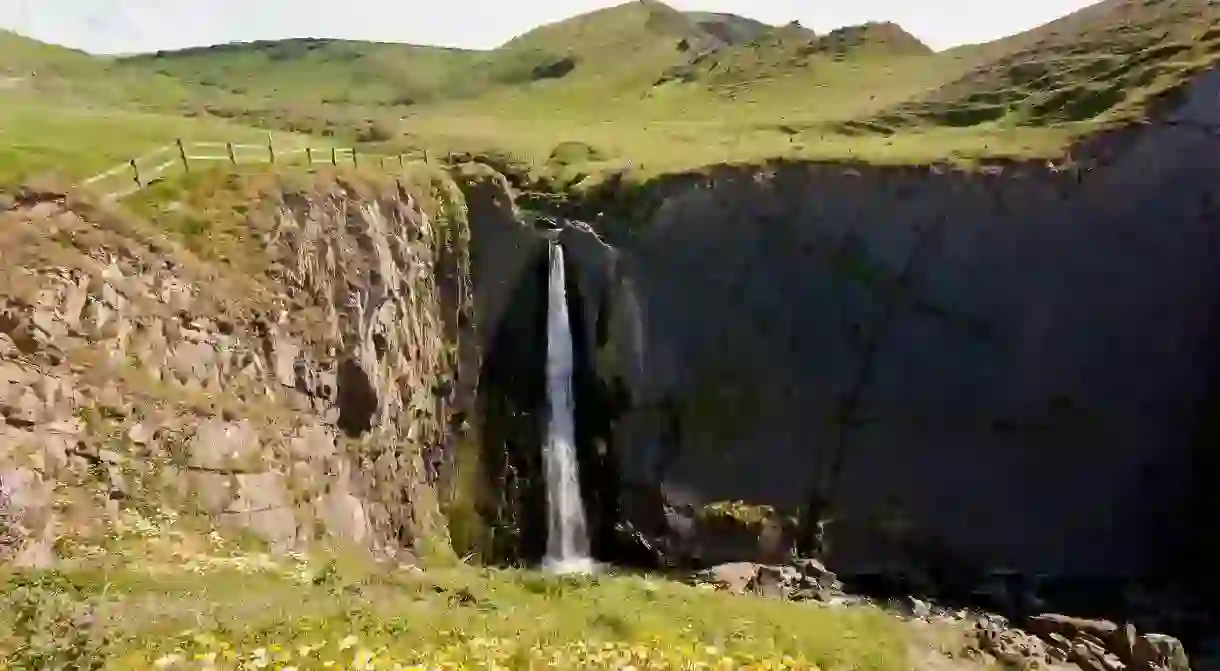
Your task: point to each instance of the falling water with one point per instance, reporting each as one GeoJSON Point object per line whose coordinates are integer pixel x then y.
{"type": "Point", "coordinates": [567, 546]}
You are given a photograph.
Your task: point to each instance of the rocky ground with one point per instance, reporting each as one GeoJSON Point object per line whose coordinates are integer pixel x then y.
{"type": "Point", "coordinates": [1043, 641]}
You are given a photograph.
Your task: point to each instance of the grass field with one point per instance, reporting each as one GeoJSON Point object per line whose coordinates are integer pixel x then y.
{"type": "Point", "coordinates": [647, 88]}
{"type": "Point", "coordinates": [38, 137]}
{"type": "Point", "coordinates": [156, 595]}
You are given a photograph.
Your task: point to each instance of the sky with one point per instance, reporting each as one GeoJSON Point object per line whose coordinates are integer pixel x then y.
{"type": "Point", "coordinates": [126, 26]}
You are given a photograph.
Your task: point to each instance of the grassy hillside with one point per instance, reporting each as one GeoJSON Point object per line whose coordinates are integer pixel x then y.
{"type": "Point", "coordinates": [44, 138]}
{"type": "Point", "coordinates": [23, 57]}
{"type": "Point", "coordinates": [599, 50]}
{"type": "Point", "coordinates": [870, 93]}
{"type": "Point", "coordinates": [342, 87]}
{"type": "Point", "coordinates": [649, 89]}
{"type": "Point", "coordinates": [729, 28]}
{"type": "Point", "coordinates": [1105, 64]}
{"type": "Point", "coordinates": [606, 55]}
{"type": "Point", "coordinates": [68, 114]}
{"type": "Point", "coordinates": [312, 71]}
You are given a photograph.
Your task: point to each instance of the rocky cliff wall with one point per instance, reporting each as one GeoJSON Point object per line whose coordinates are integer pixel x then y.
{"type": "Point", "coordinates": [307, 392]}
{"type": "Point", "coordinates": [1013, 364]}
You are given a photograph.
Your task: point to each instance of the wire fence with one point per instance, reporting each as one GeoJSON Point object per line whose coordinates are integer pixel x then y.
{"type": "Point", "coordinates": [142, 171]}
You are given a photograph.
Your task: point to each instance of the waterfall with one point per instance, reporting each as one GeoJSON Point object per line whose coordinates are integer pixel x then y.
{"type": "Point", "coordinates": [567, 545]}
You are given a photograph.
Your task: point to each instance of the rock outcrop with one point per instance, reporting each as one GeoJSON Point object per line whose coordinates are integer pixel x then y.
{"type": "Point", "coordinates": [1046, 641]}
{"type": "Point", "coordinates": [301, 391]}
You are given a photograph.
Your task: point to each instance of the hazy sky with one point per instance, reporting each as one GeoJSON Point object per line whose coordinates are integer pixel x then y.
{"type": "Point", "coordinates": [117, 26]}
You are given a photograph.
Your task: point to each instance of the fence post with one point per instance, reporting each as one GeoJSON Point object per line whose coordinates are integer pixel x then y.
{"type": "Point", "coordinates": [309, 155]}
{"type": "Point", "coordinates": [270, 149]}
{"type": "Point", "coordinates": [186, 166]}
{"type": "Point", "coordinates": [232, 156]}
{"type": "Point", "coordinates": [334, 157]}
{"type": "Point", "coordinates": [355, 161]}
{"type": "Point", "coordinates": [401, 164]}
{"type": "Point", "coordinates": [426, 159]}
{"type": "Point", "coordinates": [135, 173]}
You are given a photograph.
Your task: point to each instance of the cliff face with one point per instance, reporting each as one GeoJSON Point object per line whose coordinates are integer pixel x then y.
{"type": "Point", "coordinates": [1009, 368]}
{"type": "Point", "coordinates": [1006, 368]}
{"type": "Point", "coordinates": [306, 394]}
{"type": "Point", "coordinates": [509, 267]}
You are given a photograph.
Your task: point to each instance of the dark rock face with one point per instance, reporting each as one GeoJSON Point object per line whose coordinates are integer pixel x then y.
{"type": "Point", "coordinates": [357, 400]}
{"type": "Point", "coordinates": [1006, 369]}
{"type": "Point", "coordinates": [554, 70]}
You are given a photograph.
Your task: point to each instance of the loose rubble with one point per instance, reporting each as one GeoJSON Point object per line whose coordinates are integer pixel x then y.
{"type": "Point", "coordinates": [1045, 641]}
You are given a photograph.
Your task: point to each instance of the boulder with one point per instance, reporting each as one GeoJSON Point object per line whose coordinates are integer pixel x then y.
{"type": "Point", "coordinates": [225, 446]}
{"type": "Point", "coordinates": [735, 577]}
{"type": "Point", "coordinates": [1158, 651]}
{"type": "Point", "coordinates": [1070, 627]}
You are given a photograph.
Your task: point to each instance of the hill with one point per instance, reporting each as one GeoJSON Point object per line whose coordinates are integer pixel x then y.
{"type": "Point", "coordinates": [647, 86]}
{"type": "Point", "coordinates": [305, 71]}
{"type": "Point", "coordinates": [729, 28]}
{"type": "Point", "coordinates": [791, 49]}
{"type": "Point", "coordinates": [612, 51]}
{"type": "Point", "coordinates": [23, 57]}
{"type": "Point", "coordinates": [326, 86]}
{"type": "Point", "coordinates": [1107, 63]}
{"type": "Point", "coordinates": [602, 45]}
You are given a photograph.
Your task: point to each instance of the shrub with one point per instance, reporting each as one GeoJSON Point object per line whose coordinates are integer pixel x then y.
{"type": "Point", "coordinates": [571, 153]}
{"type": "Point", "coordinates": [49, 624]}
{"type": "Point", "coordinates": [376, 131]}
{"type": "Point", "coordinates": [10, 530]}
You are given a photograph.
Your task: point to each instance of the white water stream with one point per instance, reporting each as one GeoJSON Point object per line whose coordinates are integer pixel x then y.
{"type": "Point", "coordinates": [567, 545]}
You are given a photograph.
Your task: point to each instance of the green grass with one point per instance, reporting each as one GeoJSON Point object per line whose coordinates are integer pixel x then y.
{"type": "Point", "coordinates": [23, 56]}
{"type": "Point", "coordinates": [38, 137]}
{"type": "Point", "coordinates": [307, 72]}
{"type": "Point", "coordinates": [653, 90]}
{"type": "Point", "coordinates": [1104, 65]}
{"type": "Point", "coordinates": [159, 590]}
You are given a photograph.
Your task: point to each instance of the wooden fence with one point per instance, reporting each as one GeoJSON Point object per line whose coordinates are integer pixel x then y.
{"type": "Point", "coordinates": [127, 178]}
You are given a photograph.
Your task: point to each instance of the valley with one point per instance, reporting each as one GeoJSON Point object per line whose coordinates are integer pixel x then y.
{"type": "Point", "coordinates": [817, 350]}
